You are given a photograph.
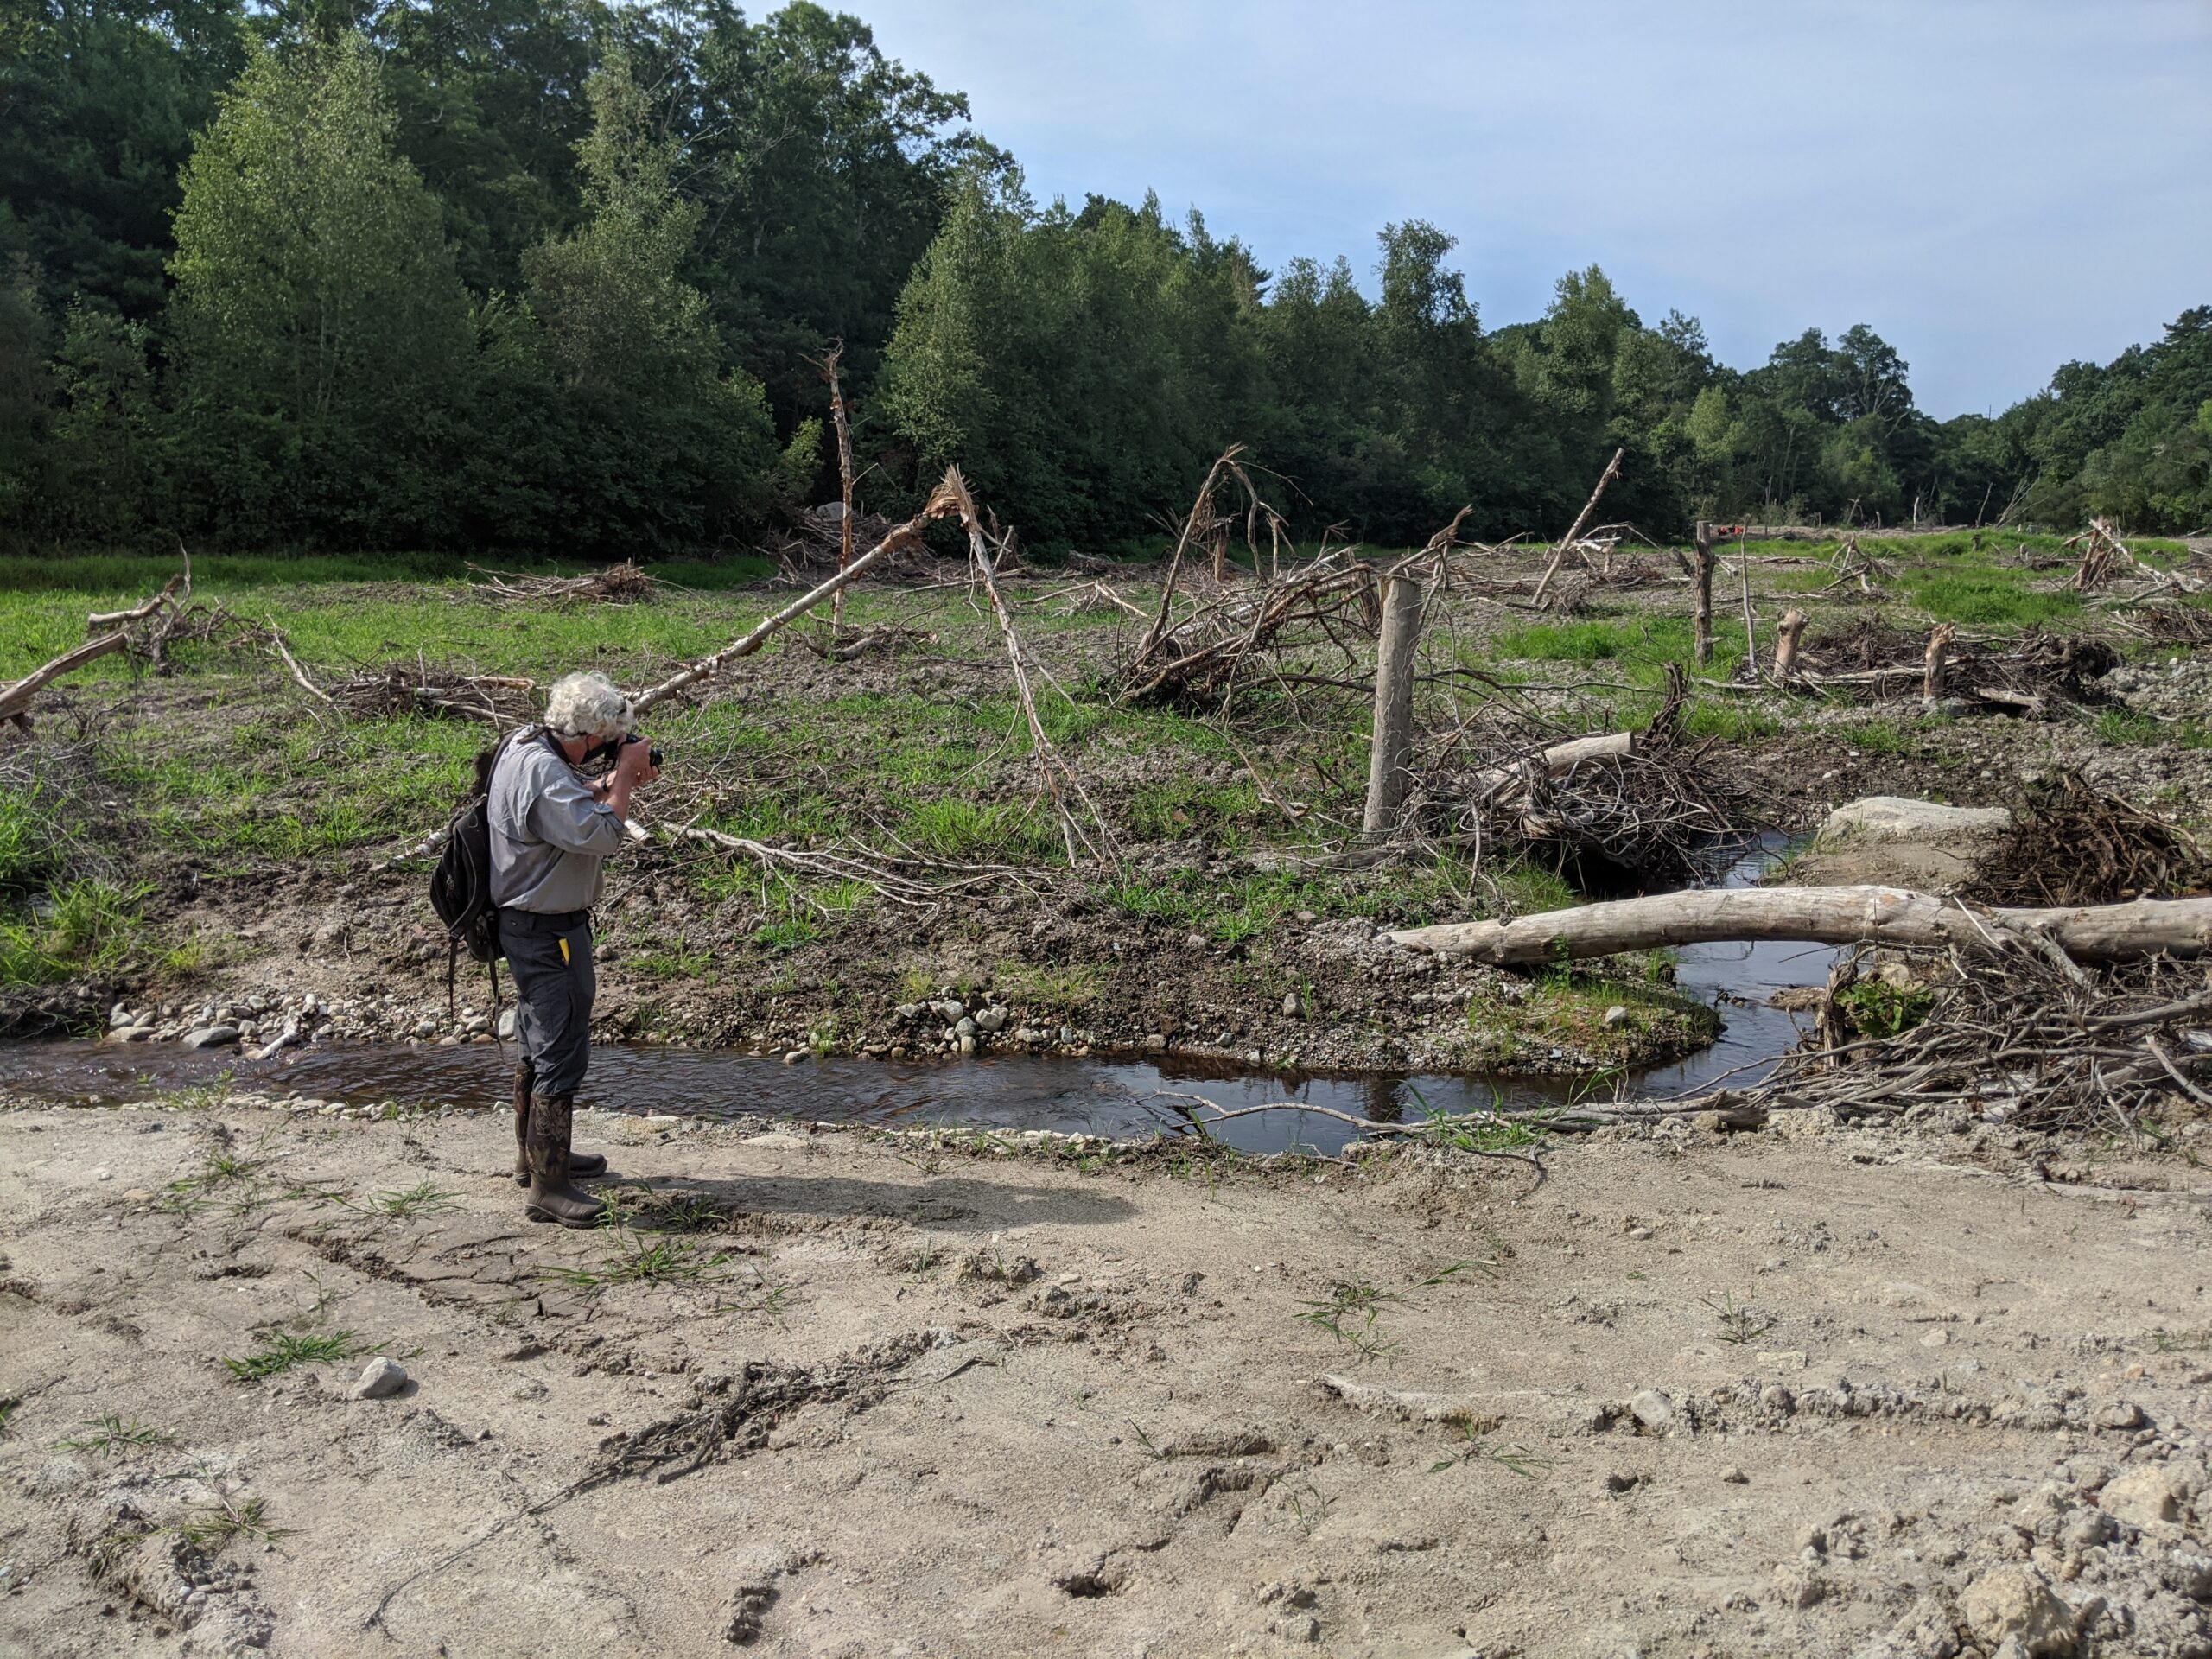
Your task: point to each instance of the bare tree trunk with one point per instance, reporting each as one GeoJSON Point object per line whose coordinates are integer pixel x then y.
{"type": "Point", "coordinates": [1939, 642]}
{"type": "Point", "coordinates": [1785, 643]}
{"type": "Point", "coordinates": [1612, 469]}
{"type": "Point", "coordinates": [1889, 916]}
{"type": "Point", "coordinates": [1701, 612]}
{"type": "Point", "coordinates": [15, 700]}
{"type": "Point", "coordinates": [1394, 705]}
{"type": "Point", "coordinates": [844, 477]}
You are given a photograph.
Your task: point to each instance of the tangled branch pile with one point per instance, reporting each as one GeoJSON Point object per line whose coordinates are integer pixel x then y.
{"type": "Point", "coordinates": [1635, 811]}
{"type": "Point", "coordinates": [2035, 1045]}
{"type": "Point", "coordinates": [1197, 662]}
{"type": "Point", "coordinates": [2071, 845]}
{"type": "Point", "coordinates": [1871, 658]}
{"type": "Point", "coordinates": [619, 584]}
{"type": "Point", "coordinates": [416, 689]}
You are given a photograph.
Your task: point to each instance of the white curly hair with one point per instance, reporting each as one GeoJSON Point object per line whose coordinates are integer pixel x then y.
{"type": "Point", "coordinates": [587, 705]}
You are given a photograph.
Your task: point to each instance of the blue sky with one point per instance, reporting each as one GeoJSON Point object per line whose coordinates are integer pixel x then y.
{"type": "Point", "coordinates": [1995, 188]}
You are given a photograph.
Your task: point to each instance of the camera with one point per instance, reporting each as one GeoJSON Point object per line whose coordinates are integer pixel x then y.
{"type": "Point", "coordinates": [613, 747]}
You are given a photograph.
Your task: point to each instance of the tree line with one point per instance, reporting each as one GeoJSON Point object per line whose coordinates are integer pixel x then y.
{"type": "Point", "coordinates": [556, 276]}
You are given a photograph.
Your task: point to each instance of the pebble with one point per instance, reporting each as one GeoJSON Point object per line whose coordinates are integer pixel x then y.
{"type": "Point", "coordinates": [1652, 1409]}
{"type": "Point", "coordinates": [1616, 1015]}
{"type": "Point", "coordinates": [380, 1379]}
{"type": "Point", "coordinates": [1292, 1007]}
{"type": "Point", "coordinates": [1730, 1475]}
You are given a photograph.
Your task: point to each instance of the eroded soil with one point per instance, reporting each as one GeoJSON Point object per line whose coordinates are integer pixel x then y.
{"type": "Point", "coordinates": [1805, 1391]}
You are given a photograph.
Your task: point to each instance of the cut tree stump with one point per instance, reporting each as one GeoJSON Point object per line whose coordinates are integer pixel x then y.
{"type": "Point", "coordinates": [1889, 916]}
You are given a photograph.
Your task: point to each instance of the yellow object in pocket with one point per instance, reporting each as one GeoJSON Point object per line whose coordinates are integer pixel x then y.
{"type": "Point", "coordinates": [564, 949]}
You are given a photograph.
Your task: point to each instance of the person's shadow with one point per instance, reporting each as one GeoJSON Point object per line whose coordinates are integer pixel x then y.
{"type": "Point", "coordinates": [948, 1201]}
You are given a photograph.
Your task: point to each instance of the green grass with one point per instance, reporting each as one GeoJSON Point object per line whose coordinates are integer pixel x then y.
{"type": "Point", "coordinates": [110, 1435]}
{"type": "Point", "coordinates": [85, 929]}
{"type": "Point", "coordinates": [1990, 599]}
{"type": "Point", "coordinates": [285, 1349]}
{"type": "Point", "coordinates": [2138, 729]}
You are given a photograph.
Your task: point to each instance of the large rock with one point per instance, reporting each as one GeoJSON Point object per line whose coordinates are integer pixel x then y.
{"type": "Point", "coordinates": [2018, 1603]}
{"type": "Point", "coordinates": [1896, 817]}
{"type": "Point", "coordinates": [2141, 1496]}
{"type": "Point", "coordinates": [211, 1037]}
{"type": "Point", "coordinates": [1893, 841]}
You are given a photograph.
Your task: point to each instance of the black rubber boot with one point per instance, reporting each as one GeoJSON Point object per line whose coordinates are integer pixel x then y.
{"type": "Point", "coordinates": [553, 1195]}
{"type": "Point", "coordinates": [582, 1165]}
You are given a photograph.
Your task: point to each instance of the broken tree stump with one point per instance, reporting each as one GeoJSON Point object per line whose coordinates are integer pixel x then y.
{"type": "Point", "coordinates": [1939, 644]}
{"type": "Point", "coordinates": [1785, 643]}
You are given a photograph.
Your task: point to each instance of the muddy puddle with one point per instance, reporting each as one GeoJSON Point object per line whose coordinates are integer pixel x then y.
{"type": "Point", "coordinates": [1119, 1097]}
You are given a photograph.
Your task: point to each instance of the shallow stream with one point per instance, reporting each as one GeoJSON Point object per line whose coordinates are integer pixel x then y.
{"type": "Point", "coordinates": [1123, 1097]}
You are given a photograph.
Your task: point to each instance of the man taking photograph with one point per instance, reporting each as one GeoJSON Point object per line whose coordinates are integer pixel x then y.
{"type": "Point", "coordinates": [552, 831]}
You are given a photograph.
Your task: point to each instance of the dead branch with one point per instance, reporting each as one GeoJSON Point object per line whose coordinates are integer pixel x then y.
{"type": "Point", "coordinates": [943, 502]}
{"type": "Point", "coordinates": [1091, 840]}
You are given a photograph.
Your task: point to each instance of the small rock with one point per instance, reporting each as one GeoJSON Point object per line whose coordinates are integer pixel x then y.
{"type": "Point", "coordinates": [211, 1037]}
{"type": "Point", "coordinates": [2140, 1497]}
{"type": "Point", "coordinates": [2017, 1603]}
{"type": "Point", "coordinates": [121, 1015]}
{"type": "Point", "coordinates": [907, 1013]}
{"type": "Point", "coordinates": [2188, 1575]}
{"type": "Point", "coordinates": [2119, 1414]}
{"type": "Point", "coordinates": [139, 1195]}
{"type": "Point", "coordinates": [103, 1173]}
{"type": "Point", "coordinates": [380, 1379]}
{"type": "Point", "coordinates": [1294, 1006]}
{"type": "Point", "coordinates": [1639, 1234]}
{"type": "Point", "coordinates": [1652, 1409]}
{"type": "Point", "coordinates": [964, 1027]}
{"type": "Point", "coordinates": [1616, 1015]}
{"type": "Point", "coordinates": [794, 1056]}
{"type": "Point", "coordinates": [991, 1021]}
{"type": "Point", "coordinates": [506, 1025]}
{"type": "Point", "coordinates": [1730, 1475]}
{"type": "Point", "coordinates": [530, 1389]}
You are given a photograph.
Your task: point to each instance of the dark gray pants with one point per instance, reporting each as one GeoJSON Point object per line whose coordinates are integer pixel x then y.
{"type": "Point", "coordinates": [553, 993]}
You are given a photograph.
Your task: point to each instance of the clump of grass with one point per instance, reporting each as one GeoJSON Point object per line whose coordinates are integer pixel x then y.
{"type": "Point", "coordinates": [110, 1435]}
{"type": "Point", "coordinates": [1349, 1314]}
{"type": "Point", "coordinates": [211, 1526]}
{"type": "Point", "coordinates": [8, 1405]}
{"type": "Point", "coordinates": [287, 1349]}
{"type": "Point", "coordinates": [86, 928]}
{"type": "Point", "coordinates": [663, 1262]}
{"type": "Point", "coordinates": [1473, 1448]}
{"type": "Point", "coordinates": [418, 1200]}
{"type": "Point", "coordinates": [1738, 1324]}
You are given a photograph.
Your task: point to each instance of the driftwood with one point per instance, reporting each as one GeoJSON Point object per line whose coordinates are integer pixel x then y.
{"type": "Point", "coordinates": [1082, 839]}
{"type": "Point", "coordinates": [1864, 915]}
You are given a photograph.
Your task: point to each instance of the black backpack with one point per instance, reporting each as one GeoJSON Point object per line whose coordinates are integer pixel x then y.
{"type": "Point", "coordinates": [461, 885]}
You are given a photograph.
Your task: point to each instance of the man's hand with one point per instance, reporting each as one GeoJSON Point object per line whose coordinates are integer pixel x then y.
{"type": "Point", "coordinates": [634, 761]}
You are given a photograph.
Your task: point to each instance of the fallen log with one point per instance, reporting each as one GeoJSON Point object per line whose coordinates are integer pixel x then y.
{"type": "Point", "coordinates": [1868, 915]}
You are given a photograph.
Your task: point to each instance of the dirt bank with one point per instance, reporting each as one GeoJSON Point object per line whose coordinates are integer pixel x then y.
{"type": "Point", "coordinates": [1803, 1392]}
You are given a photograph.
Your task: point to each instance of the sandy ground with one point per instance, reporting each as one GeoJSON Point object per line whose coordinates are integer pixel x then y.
{"type": "Point", "coordinates": [1803, 1391]}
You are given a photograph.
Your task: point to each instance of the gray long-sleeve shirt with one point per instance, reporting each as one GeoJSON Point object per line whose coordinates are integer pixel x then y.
{"type": "Point", "coordinates": [550, 836]}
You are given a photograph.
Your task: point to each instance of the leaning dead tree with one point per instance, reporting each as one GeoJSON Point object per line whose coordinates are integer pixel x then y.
{"type": "Point", "coordinates": [828, 365]}
{"type": "Point", "coordinates": [1567, 542]}
{"type": "Point", "coordinates": [1864, 915]}
{"type": "Point", "coordinates": [944, 503]}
